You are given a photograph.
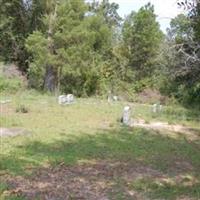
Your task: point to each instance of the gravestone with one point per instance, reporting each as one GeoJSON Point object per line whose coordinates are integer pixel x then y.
{"type": "Point", "coordinates": [5, 101]}
{"type": "Point", "coordinates": [70, 98]}
{"type": "Point", "coordinates": [66, 99]}
{"type": "Point", "coordinates": [126, 116]}
{"type": "Point", "coordinates": [61, 99]}
{"type": "Point", "coordinates": [112, 97]}
{"type": "Point", "coordinates": [160, 108]}
{"type": "Point", "coordinates": [156, 108]}
{"type": "Point", "coordinates": [115, 98]}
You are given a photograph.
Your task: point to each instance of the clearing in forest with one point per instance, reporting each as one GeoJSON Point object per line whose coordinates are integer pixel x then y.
{"type": "Point", "coordinates": [81, 151]}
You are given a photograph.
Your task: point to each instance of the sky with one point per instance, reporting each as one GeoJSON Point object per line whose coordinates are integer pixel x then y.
{"type": "Point", "coordinates": [164, 9]}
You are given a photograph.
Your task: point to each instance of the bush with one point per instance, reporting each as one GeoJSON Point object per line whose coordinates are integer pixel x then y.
{"type": "Point", "coordinates": [22, 109]}
{"type": "Point", "coordinates": [10, 85]}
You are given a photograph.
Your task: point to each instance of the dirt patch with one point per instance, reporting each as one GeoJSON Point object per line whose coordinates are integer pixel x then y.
{"type": "Point", "coordinates": [187, 132]}
{"type": "Point", "coordinates": [151, 96]}
{"type": "Point", "coordinates": [100, 181]}
{"type": "Point", "coordinates": [5, 108]}
{"type": "Point", "coordinates": [12, 71]}
{"type": "Point", "coordinates": [11, 132]}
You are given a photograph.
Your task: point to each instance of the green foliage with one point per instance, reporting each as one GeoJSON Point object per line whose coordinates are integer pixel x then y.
{"type": "Point", "coordinates": [10, 85]}
{"type": "Point", "coordinates": [36, 44]}
{"type": "Point", "coordinates": [142, 37]}
{"type": "Point", "coordinates": [84, 48]}
{"type": "Point", "coordinates": [139, 86]}
{"type": "Point", "coordinates": [108, 11]}
{"type": "Point", "coordinates": [14, 28]}
{"type": "Point", "coordinates": [180, 65]}
{"type": "Point", "coordinates": [79, 47]}
{"type": "Point", "coordinates": [196, 21]}
{"type": "Point", "coordinates": [180, 29]}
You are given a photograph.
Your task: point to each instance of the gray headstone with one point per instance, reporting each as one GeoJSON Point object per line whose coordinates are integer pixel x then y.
{"type": "Point", "coordinates": [126, 117]}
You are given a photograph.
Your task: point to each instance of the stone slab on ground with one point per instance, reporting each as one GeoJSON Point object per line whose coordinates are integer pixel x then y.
{"type": "Point", "coordinates": [11, 132]}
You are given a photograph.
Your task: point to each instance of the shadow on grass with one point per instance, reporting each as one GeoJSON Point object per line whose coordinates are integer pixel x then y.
{"type": "Point", "coordinates": [170, 157]}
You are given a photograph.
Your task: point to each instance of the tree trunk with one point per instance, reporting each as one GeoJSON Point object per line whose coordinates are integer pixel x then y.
{"type": "Point", "coordinates": [50, 80]}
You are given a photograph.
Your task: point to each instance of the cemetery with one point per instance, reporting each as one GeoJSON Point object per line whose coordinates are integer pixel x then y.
{"type": "Point", "coordinates": [99, 100]}
{"type": "Point", "coordinates": [89, 142]}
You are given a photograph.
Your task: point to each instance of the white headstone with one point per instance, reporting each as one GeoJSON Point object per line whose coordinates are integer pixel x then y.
{"type": "Point", "coordinates": [66, 99]}
{"type": "Point", "coordinates": [115, 98]}
{"type": "Point", "coordinates": [126, 117]}
{"type": "Point", "coordinates": [61, 99]}
{"type": "Point", "coordinates": [154, 108]}
{"type": "Point", "coordinates": [6, 101]}
{"type": "Point", "coordinates": [70, 98]}
{"type": "Point", "coordinates": [160, 108]}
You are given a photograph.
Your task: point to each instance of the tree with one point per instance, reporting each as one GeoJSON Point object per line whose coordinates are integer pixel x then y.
{"type": "Point", "coordinates": [183, 65]}
{"type": "Point", "coordinates": [14, 29]}
{"type": "Point", "coordinates": [18, 19]}
{"type": "Point", "coordinates": [69, 53]}
{"type": "Point", "coordinates": [190, 73]}
{"type": "Point", "coordinates": [180, 29]}
{"type": "Point", "coordinates": [108, 11]}
{"type": "Point", "coordinates": [142, 37]}
{"type": "Point", "coordinates": [48, 41]}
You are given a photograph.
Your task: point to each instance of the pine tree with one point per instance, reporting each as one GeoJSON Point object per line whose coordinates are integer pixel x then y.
{"type": "Point", "coordinates": [70, 53]}
{"type": "Point", "coordinates": [142, 37]}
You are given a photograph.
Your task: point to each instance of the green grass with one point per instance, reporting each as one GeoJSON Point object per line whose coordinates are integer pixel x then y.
{"type": "Point", "coordinates": [158, 190]}
{"type": "Point", "coordinates": [89, 130]}
{"type": "Point", "coordinates": [172, 114]}
{"type": "Point", "coordinates": [3, 187]}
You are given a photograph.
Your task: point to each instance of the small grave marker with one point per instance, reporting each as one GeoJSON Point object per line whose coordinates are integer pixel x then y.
{"type": "Point", "coordinates": [126, 116]}
{"type": "Point", "coordinates": [66, 99]}
{"type": "Point", "coordinates": [156, 108]}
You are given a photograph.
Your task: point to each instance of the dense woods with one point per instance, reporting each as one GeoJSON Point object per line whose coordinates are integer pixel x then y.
{"type": "Point", "coordinates": [88, 49]}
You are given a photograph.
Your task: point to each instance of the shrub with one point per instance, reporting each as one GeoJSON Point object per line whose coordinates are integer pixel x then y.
{"type": "Point", "coordinates": [10, 85]}
{"type": "Point", "coordinates": [22, 109]}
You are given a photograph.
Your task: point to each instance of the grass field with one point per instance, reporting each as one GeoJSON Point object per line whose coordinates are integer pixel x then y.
{"type": "Point", "coordinates": [81, 151]}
